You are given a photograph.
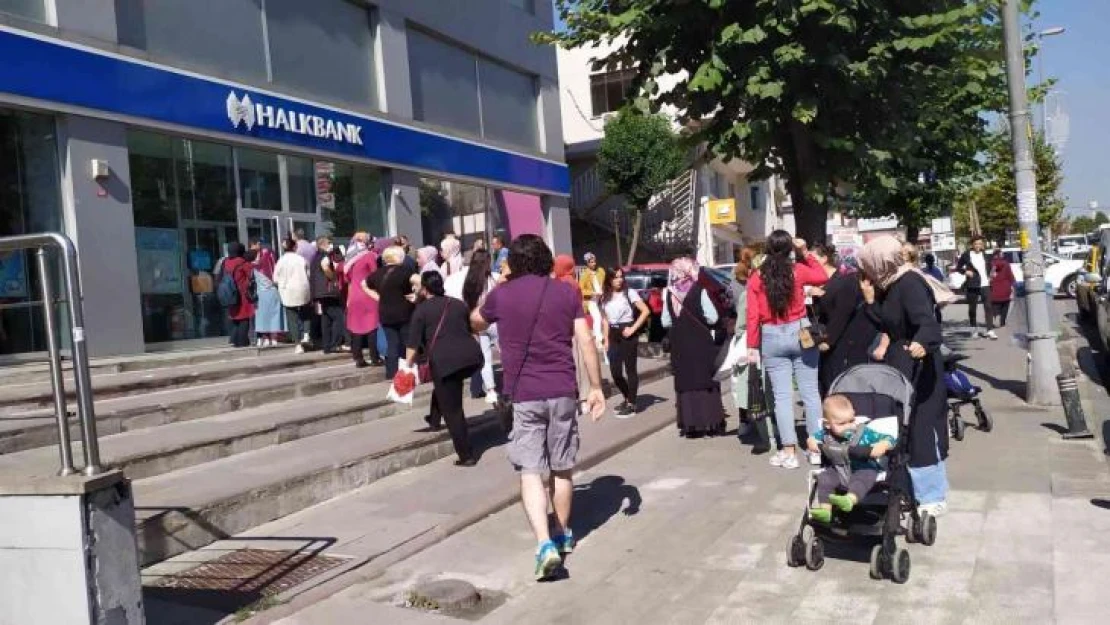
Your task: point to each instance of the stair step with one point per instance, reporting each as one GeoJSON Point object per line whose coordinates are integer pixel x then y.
{"type": "Point", "coordinates": [192, 507]}
{"type": "Point", "coordinates": [24, 397]}
{"type": "Point", "coordinates": [153, 451]}
{"type": "Point", "coordinates": [21, 431]}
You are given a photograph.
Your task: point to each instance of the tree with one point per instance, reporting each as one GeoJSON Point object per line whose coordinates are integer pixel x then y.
{"type": "Point", "coordinates": [1100, 218]}
{"type": "Point", "coordinates": [1083, 225]}
{"type": "Point", "coordinates": [996, 197]}
{"type": "Point", "coordinates": [826, 93]}
{"type": "Point", "coordinates": [639, 155]}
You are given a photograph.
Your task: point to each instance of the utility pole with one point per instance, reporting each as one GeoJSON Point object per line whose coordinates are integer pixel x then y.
{"type": "Point", "coordinates": [1044, 363]}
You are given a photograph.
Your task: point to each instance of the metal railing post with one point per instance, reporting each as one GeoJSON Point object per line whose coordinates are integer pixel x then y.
{"type": "Point", "coordinates": [57, 381]}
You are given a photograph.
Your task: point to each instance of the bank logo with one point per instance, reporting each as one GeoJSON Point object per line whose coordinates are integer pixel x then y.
{"type": "Point", "coordinates": [240, 111]}
{"type": "Point", "coordinates": [245, 112]}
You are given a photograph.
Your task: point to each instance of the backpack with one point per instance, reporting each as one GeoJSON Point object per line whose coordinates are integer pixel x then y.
{"type": "Point", "coordinates": [227, 293]}
{"type": "Point", "coordinates": [958, 385]}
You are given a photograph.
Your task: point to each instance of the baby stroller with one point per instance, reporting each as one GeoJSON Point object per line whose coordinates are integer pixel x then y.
{"type": "Point", "coordinates": [882, 398]}
{"type": "Point", "coordinates": [962, 392]}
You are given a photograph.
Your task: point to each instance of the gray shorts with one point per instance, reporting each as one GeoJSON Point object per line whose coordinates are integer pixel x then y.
{"type": "Point", "coordinates": [545, 435]}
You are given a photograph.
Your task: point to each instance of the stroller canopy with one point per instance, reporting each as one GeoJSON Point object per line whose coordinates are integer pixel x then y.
{"type": "Point", "coordinates": [876, 391]}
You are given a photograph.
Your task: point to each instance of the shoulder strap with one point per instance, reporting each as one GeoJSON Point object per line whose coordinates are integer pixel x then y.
{"type": "Point", "coordinates": [857, 436]}
{"type": "Point", "coordinates": [528, 345]}
{"type": "Point", "coordinates": [439, 326]}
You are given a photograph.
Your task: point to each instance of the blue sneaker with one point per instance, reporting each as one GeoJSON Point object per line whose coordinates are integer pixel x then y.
{"type": "Point", "coordinates": [548, 561]}
{"type": "Point", "coordinates": [565, 543]}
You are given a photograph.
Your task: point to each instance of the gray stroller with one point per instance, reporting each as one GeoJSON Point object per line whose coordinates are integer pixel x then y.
{"type": "Point", "coordinates": [882, 398]}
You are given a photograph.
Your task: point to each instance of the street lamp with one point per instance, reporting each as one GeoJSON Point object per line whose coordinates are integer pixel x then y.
{"type": "Point", "coordinates": [1048, 32]}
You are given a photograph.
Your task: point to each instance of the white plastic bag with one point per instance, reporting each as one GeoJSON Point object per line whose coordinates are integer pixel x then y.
{"type": "Point", "coordinates": [393, 395]}
{"type": "Point", "coordinates": [737, 357]}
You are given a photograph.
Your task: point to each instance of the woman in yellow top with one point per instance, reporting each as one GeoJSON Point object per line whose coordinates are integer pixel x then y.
{"type": "Point", "coordinates": [592, 281]}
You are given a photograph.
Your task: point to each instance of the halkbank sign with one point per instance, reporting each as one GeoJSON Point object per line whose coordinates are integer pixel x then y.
{"type": "Point", "coordinates": [245, 112]}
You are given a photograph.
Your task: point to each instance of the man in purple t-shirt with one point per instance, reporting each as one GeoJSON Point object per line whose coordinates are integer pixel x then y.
{"type": "Point", "coordinates": [538, 320]}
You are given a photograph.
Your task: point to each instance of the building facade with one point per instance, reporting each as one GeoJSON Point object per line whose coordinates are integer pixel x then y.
{"type": "Point", "coordinates": [589, 97]}
{"type": "Point", "coordinates": [155, 132]}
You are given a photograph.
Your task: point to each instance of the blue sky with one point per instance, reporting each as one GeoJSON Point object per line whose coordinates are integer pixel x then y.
{"type": "Point", "coordinates": [1080, 61]}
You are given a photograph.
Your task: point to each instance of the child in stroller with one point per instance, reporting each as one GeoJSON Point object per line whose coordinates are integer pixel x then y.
{"type": "Point", "coordinates": [962, 392]}
{"type": "Point", "coordinates": [885, 509]}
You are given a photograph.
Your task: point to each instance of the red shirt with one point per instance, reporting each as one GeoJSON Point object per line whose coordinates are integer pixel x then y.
{"type": "Point", "coordinates": [807, 272]}
{"type": "Point", "coordinates": [241, 271]}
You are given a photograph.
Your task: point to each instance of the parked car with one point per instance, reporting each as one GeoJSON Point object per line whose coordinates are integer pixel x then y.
{"type": "Point", "coordinates": [1061, 275]}
{"type": "Point", "coordinates": [1072, 243]}
{"type": "Point", "coordinates": [1086, 289]}
{"type": "Point", "coordinates": [1101, 286]}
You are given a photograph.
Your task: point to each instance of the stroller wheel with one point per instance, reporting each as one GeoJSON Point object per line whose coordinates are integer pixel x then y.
{"type": "Point", "coordinates": [958, 427]}
{"type": "Point", "coordinates": [927, 532]}
{"type": "Point", "coordinates": [876, 561]}
{"type": "Point", "coordinates": [795, 552]}
{"type": "Point", "coordinates": [986, 424]}
{"type": "Point", "coordinates": [900, 566]}
{"type": "Point", "coordinates": [815, 554]}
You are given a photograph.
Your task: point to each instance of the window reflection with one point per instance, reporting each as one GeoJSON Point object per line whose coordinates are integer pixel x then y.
{"type": "Point", "coordinates": [259, 180]}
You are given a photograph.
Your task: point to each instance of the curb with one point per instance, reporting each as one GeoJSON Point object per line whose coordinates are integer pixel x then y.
{"type": "Point", "coordinates": [367, 569]}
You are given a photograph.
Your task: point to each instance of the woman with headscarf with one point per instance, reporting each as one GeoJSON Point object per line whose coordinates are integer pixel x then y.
{"type": "Point", "coordinates": [779, 335]}
{"type": "Point", "coordinates": [563, 271]}
{"type": "Point", "coordinates": [390, 286]}
{"type": "Point", "coordinates": [241, 271]}
{"type": "Point", "coordinates": [902, 302]}
{"type": "Point", "coordinates": [850, 336]}
{"type": "Point", "coordinates": [269, 316]}
{"type": "Point", "coordinates": [362, 310]}
{"type": "Point", "coordinates": [690, 314]}
{"type": "Point", "coordinates": [451, 250]}
{"type": "Point", "coordinates": [426, 258]}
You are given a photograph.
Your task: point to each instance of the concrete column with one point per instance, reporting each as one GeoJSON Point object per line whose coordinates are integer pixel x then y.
{"type": "Point", "coordinates": [404, 206]}
{"type": "Point", "coordinates": [100, 221]}
{"type": "Point", "coordinates": [67, 551]}
{"type": "Point", "coordinates": [556, 214]}
{"type": "Point", "coordinates": [94, 18]}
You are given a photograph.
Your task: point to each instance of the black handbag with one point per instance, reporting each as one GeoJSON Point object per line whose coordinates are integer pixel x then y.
{"type": "Point", "coordinates": [504, 405]}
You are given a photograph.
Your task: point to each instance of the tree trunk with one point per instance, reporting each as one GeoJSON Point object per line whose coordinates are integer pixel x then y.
{"type": "Point", "coordinates": [635, 237]}
{"type": "Point", "coordinates": [617, 235]}
{"type": "Point", "coordinates": [912, 232]}
{"type": "Point", "coordinates": [809, 216]}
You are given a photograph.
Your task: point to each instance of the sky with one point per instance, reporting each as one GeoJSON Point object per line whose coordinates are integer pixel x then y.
{"type": "Point", "coordinates": [1079, 59]}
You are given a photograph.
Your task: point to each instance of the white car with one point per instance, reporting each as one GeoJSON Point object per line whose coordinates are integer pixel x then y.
{"type": "Point", "coordinates": [1060, 274]}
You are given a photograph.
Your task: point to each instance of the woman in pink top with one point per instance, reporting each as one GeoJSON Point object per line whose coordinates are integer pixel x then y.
{"type": "Point", "coordinates": [778, 334]}
{"type": "Point", "coordinates": [362, 310]}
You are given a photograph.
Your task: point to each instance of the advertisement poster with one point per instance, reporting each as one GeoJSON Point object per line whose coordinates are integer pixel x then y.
{"type": "Point", "coordinates": [159, 255]}
{"type": "Point", "coordinates": [722, 211]}
{"type": "Point", "coordinates": [13, 275]}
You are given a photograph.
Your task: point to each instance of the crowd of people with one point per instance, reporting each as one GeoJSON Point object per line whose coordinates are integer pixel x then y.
{"type": "Point", "coordinates": [798, 317]}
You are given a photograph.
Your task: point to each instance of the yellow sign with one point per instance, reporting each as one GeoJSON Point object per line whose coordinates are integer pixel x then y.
{"type": "Point", "coordinates": [1024, 239]}
{"type": "Point", "coordinates": [722, 211]}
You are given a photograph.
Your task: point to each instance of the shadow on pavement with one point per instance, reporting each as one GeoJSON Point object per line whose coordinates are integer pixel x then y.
{"type": "Point", "coordinates": [1015, 387]}
{"type": "Point", "coordinates": [1101, 503]}
{"type": "Point", "coordinates": [600, 500]}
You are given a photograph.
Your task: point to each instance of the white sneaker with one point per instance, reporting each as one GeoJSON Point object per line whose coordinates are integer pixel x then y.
{"type": "Point", "coordinates": [271, 343]}
{"type": "Point", "coordinates": [777, 458]}
{"type": "Point", "coordinates": [937, 509]}
{"type": "Point", "coordinates": [491, 398]}
{"type": "Point", "coordinates": [790, 462]}
{"type": "Point", "coordinates": [306, 339]}
{"type": "Point", "coordinates": [261, 343]}
{"type": "Point", "coordinates": [298, 349]}
{"type": "Point", "coordinates": [991, 335]}
{"type": "Point", "coordinates": [814, 458]}
{"type": "Point", "coordinates": [784, 460]}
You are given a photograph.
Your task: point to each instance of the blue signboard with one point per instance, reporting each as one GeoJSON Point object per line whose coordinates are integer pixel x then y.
{"type": "Point", "coordinates": [56, 71]}
{"type": "Point", "coordinates": [13, 275]}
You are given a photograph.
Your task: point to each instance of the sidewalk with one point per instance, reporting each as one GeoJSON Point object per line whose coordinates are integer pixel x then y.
{"type": "Point", "coordinates": [677, 531]}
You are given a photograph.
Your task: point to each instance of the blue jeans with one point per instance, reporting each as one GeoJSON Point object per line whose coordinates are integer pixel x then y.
{"type": "Point", "coordinates": [930, 484]}
{"type": "Point", "coordinates": [785, 361]}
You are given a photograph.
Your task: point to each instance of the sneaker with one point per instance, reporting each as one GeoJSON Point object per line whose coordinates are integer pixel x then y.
{"type": "Point", "coordinates": [306, 339]}
{"type": "Point", "coordinates": [624, 411]}
{"type": "Point", "coordinates": [565, 542]}
{"type": "Point", "coordinates": [937, 509]}
{"type": "Point", "coordinates": [777, 458]}
{"type": "Point", "coordinates": [784, 460]}
{"type": "Point", "coordinates": [820, 515]}
{"type": "Point", "coordinates": [991, 335]}
{"type": "Point", "coordinates": [260, 343]}
{"type": "Point", "coordinates": [548, 561]}
{"type": "Point", "coordinates": [491, 398]}
{"type": "Point", "coordinates": [790, 462]}
{"type": "Point", "coordinates": [843, 503]}
{"type": "Point", "coordinates": [298, 349]}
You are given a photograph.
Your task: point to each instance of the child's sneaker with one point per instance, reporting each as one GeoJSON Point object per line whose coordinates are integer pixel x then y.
{"type": "Point", "coordinates": [548, 561]}
{"type": "Point", "coordinates": [820, 515]}
{"type": "Point", "coordinates": [842, 503]}
{"type": "Point", "coordinates": [565, 543]}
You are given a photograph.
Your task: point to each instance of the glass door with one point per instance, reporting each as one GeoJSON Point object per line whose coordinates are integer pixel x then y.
{"type": "Point", "coordinates": [265, 226]}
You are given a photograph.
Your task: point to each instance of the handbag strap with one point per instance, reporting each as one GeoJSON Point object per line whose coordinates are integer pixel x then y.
{"type": "Point", "coordinates": [528, 344]}
{"type": "Point", "coordinates": [439, 326]}
{"type": "Point", "coordinates": [683, 309]}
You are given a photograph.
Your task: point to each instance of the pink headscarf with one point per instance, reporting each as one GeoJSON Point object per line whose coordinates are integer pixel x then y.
{"type": "Point", "coordinates": [683, 277]}
{"type": "Point", "coordinates": [452, 256]}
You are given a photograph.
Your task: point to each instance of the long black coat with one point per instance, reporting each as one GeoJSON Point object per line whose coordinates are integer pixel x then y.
{"type": "Point", "coordinates": [906, 314]}
{"type": "Point", "coordinates": [849, 331]}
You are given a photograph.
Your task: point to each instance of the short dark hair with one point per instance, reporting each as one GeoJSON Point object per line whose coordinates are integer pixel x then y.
{"type": "Point", "coordinates": [529, 255]}
{"type": "Point", "coordinates": [235, 249]}
{"type": "Point", "coordinates": [930, 259]}
{"type": "Point", "coordinates": [251, 255]}
{"type": "Point", "coordinates": [432, 281]}
{"type": "Point", "coordinates": [496, 237]}
{"type": "Point", "coordinates": [289, 245]}
{"type": "Point", "coordinates": [977, 237]}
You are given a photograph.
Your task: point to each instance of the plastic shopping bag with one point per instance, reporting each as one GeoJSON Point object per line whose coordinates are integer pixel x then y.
{"type": "Point", "coordinates": [403, 388]}
{"type": "Point", "coordinates": [737, 357]}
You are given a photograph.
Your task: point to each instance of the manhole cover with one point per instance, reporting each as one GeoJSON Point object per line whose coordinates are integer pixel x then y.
{"type": "Point", "coordinates": [241, 577]}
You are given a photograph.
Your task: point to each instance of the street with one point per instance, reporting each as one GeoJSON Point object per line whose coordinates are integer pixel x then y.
{"type": "Point", "coordinates": [694, 531]}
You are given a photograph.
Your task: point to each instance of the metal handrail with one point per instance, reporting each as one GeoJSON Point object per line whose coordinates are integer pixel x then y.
{"type": "Point", "coordinates": [85, 413]}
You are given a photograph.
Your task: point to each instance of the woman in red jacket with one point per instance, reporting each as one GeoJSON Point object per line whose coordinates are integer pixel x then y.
{"type": "Point", "coordinates": [242, 272]}
{"type": "Point", "coordinates": [778, 330]}
{"type": "Point", "coordinates": [1002, 287]}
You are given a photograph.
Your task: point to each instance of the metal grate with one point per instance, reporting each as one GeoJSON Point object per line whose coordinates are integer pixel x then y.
{"type": "Point", "coordinates": [251, 572]}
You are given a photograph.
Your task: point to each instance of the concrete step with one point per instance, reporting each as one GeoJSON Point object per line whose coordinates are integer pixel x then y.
{"type": "Point", "coordinates": [16, 398]}
{"type": "Point", "coordinates": [37, 428]}
{"type": "Point", "coordinates": [188, 508]}
{"type": "Point", "coordinates": [151, 451]}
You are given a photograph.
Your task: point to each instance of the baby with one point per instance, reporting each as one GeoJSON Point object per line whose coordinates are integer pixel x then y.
{"type": "Point", "coordinates": [854, 451]}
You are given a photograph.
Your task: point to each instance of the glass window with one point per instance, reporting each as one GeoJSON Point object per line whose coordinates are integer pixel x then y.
{"type": "Point", "coordinates": [30, 201]}
{"type": "Point", "coordinates": [30, 9]}
{"type": "Point", "coordinates": [153, 189]}
{"type": "Point", "coordinates": [610, 90]}
{"type": "Point", "coordinates": [352, 198]}
{"type": "Point", "coordinates": [508, 105]}
{"type": "Point", "coordinates": [224, 35]}
{"type": "Point", "coordinates": [326, 52]}
{"type": "Point", "coordinates": [205, 180]}
{"type": "Point", "coordinates": [259, 180]}
{"type": "Point", "coordinates": [525, 5]}
{"type": "Point", "coordinates": [301, 179]}
{"type": "Point", "coordinates": [444, 84]}
{"type": "Point", "coordinates": [455, 208]}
